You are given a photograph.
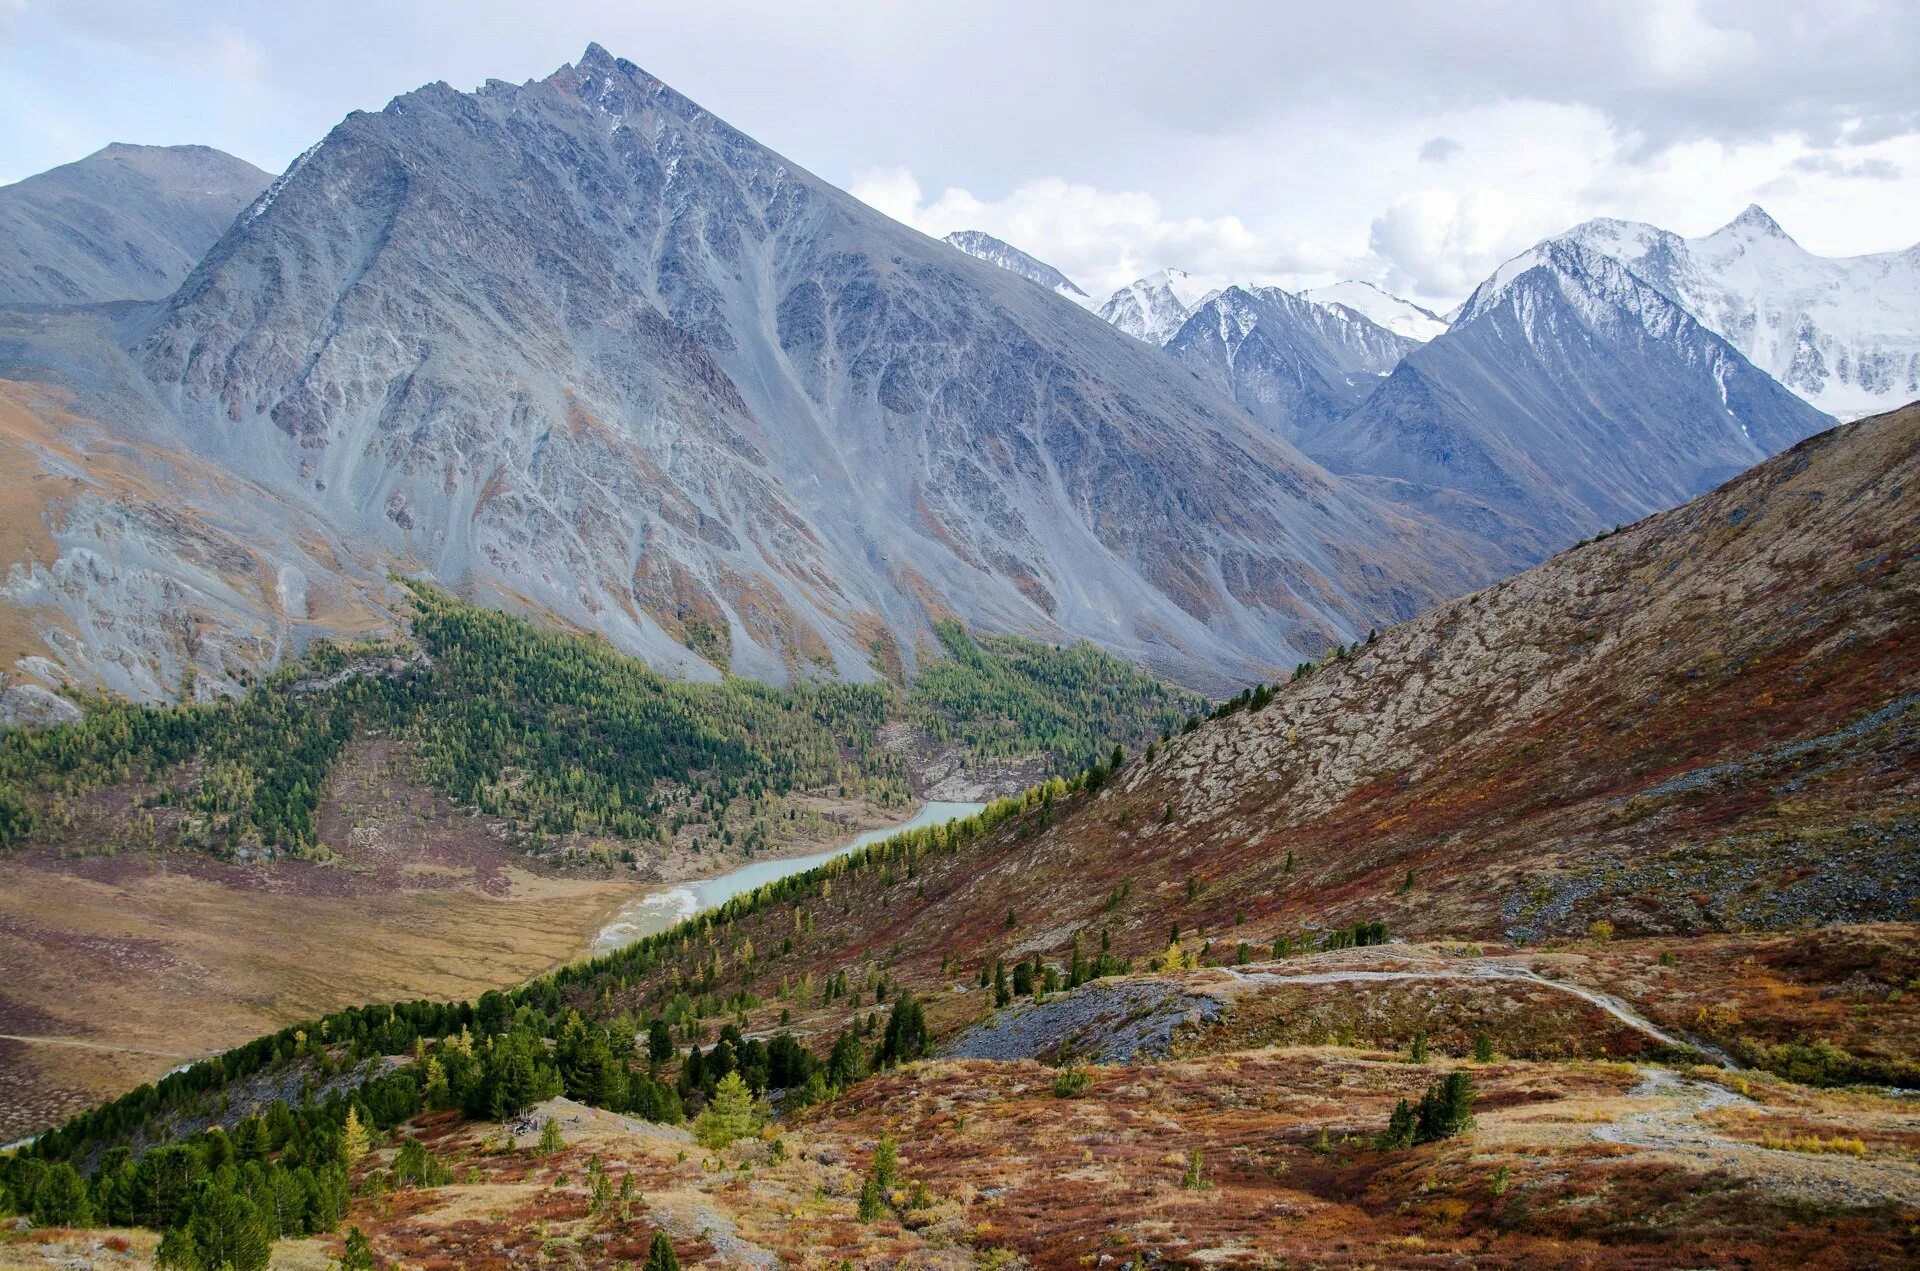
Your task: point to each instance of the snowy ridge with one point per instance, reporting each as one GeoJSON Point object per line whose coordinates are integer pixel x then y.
{"type": "Point", "coordinates": [994, 251]}
{"type": "Point", "coordinates": [1402, 317]}
{"type": "Point", "coordinates": [1155, 307]}
{"type": "Point", "coordinates": [1292, 364]}
{"type": "Point", "coordinates": [1843, 333]}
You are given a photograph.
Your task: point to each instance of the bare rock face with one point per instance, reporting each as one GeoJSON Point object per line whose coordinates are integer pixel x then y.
{"type": "Point", "coordinates": [1295, 365]}
{"type": "Point", "coordinates": [124, 223]}
{"type": "Point", "coordinates": [579, 345]}
{"type": "Point", "coordinates": [1569, 396]}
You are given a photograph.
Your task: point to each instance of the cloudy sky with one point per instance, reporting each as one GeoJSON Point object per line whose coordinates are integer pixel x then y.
{"type": "Point", "coordinates": [1416, 145]}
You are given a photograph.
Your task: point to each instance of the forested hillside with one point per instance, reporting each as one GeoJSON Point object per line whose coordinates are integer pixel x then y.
{"type": "Point", "coordinates": [560, 735]}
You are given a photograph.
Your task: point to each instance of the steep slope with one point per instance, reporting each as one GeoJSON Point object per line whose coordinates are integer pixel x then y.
{"type": "Point", "coordinates": [997, 252]}
{"type": "Point", "coordinates": [1844, 333]}
{"type": "Point", "coordinates": [1294, 364]}
{"type": "Point", "coordinates": [1569, 396]}
{"type": "Point", "coordinates": [1402, 317]}
{"type": "Point", "coordinates": [124, 223]}
{"type": "Point", "coordinates": [1707, 721]}
{"type": "Point", "coordinates": [1155, 307]}
{"type": "Point", "coordinates": [578, 344]}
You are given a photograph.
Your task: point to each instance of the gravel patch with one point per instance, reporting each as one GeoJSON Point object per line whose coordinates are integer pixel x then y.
{"type": "Point", "coordinates": [1104, 1022]}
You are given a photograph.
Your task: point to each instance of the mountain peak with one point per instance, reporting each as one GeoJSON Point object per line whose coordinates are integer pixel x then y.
{"type": "Point", "coordinates": [1755, 220]}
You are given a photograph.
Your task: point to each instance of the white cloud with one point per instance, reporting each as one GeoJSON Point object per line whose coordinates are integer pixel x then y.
{"type": "Point", "coordinates": [1278, 141]}
{"type": "Point", "coordinates": [1435, 244]}
{"type": "Point", "coordinates": [1102, 239]}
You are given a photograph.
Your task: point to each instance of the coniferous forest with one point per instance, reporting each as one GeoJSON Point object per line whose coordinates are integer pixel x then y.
{"type": "Point", "coordinates": [564, 737]}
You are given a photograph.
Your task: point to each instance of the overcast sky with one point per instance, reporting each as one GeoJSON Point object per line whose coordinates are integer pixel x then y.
{"type": "Point", "coordinates": [1415, 145]}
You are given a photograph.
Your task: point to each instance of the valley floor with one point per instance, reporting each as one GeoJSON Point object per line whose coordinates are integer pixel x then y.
{"type": "Point", "coordinates": [124, 961]}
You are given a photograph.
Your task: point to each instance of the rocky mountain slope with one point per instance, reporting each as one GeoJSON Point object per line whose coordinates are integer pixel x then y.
{"type": "Point", "coordinates": [1844, 333]}
{"type": "Point", "coordinates": [579, 346]}
{"type": "Point", "coordinates": [1295, 365]}
{"type": "Point", "coordinates": [124, 223]}
{"type": "Point", "coordinates": [997, 252]}
{"type": "Point", "coordinates": [1402, 317]}
{"type": "Point", "coordinates": [1569, 396]}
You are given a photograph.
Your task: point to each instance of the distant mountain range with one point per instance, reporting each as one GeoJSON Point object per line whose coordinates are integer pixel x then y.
{"type": "Point", "coordinates": [577, 347]}
{"type": "Point", "coordinates": [1843, 333]}
{"type": "Point", "coordinates": [124, 223]}
{"type": "Point", "coordinates": [1402, 317]}
{"type": "Point", "coordinates": [1569, 396]}
{"type": "Point", "coordinates": [1295, 365]}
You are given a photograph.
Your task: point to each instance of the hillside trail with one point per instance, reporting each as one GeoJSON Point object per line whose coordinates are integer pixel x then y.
{"type": "Point", "coordinates": [1432, 966]}
{"type": "Point", "coordinates": [1669, 1118]}
{"type": "Point", "coordinates": [29, 1039]}
{"type": "Point", "coordinates": [1674, 1126]}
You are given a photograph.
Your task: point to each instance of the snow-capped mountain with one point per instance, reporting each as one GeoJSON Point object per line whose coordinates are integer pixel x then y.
{"type": "Point", "coordinates": [1569, 396]}
{"type": "Point", "coordinates": [1844, 333]}
{"type": "Point", "coordinates": [124, 223]}
{"type": "Point", "coordinates": [578, 346]}
{"type": "Point", "coordinates": [1402, 317]}
{"type": "Point", "coordinates": [983, 246]}
{"type": "Point", "coordinates": [1294, 364]}
{"type": "Point", "coordinates": [1153, 308]}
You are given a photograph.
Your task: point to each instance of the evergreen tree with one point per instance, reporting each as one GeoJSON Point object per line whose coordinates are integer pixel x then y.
{"type": "Point", "coordinates": [873, 1203]}
{"type": "Point", "coordinates": [177, 1252]}
{"type": "Point", "coordinates": [906, 1038]}
{"type": "Point", "coordinates": [1446, 1109]}
{"type": "Point", "coordinates": [1399, 1131]}
{"type": "Point", "coordinates": [886, 1163]}
{"type": "Point", "coordinates": [660, 1047]}
{"type": "Point", "coordinates": [229, 1231]}
{"type": "Point", "coordinates": [61, 1198]}
{"type": "Point", "coordinates": [358, 1254]}
{"type": "Point", "coordinates": [660, 1254]}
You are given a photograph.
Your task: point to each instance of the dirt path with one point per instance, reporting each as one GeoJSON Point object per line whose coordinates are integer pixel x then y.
{"type": "Point", "coordinates": [1673, 1127]}
{"type": "Point", "coordinates": [87, 1045]}
{"type": "Point", "coordinates": [1468, 969]}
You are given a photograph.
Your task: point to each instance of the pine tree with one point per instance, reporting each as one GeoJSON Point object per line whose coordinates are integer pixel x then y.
{"type": "Point", "coordinates": [1482, 1048]}
{"type": "Point", "coordinates": [906, 1038]}
{"type": "Point", "coordinates": [228, 1230]}
{"type": "Point", "coordinates": [1399, 1131]}
{"type": "Point", "coordinates": [1446, 1109]}
{"type": "Point", "coordinates": [886, 1162]}
{"type": "Point", "coordinates": [177, 1252]}
{"type": "Point", "coordinates": [1418, 1051]}
{"type": "Point", "coordinates": [551, 1140]}
{"type": "Point", "coordinates": [358, 1254]}
{"type": "Point", "coordinates": [660, 1254]}
{"type": "Point", "coordinates": [873, 1204]}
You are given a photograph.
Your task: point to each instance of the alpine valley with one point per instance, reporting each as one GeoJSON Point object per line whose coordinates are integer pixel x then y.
{"type": "Point", "coordinates": [572, 694]}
